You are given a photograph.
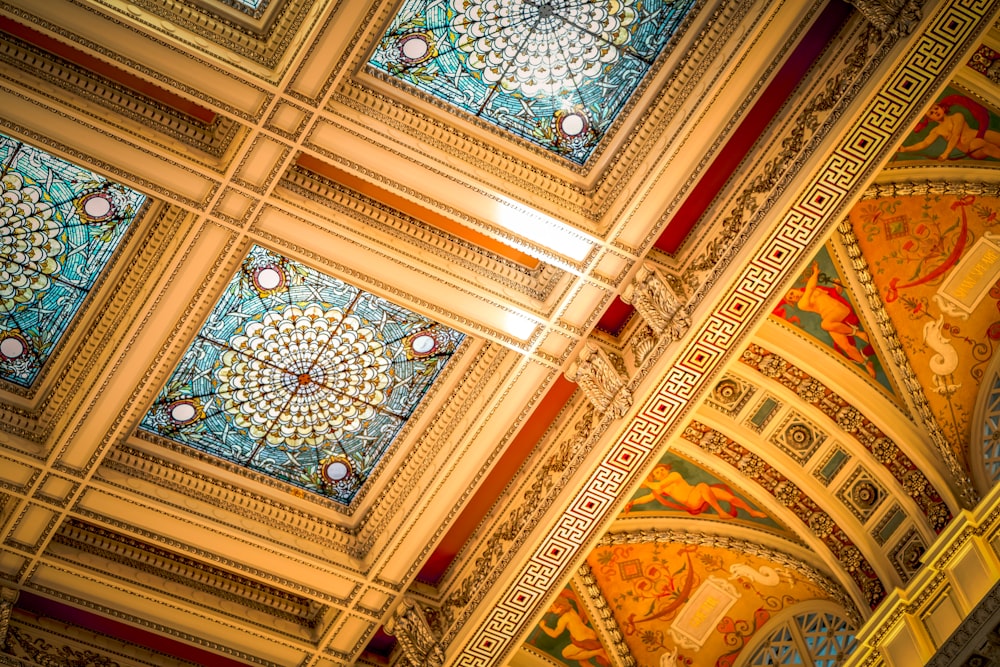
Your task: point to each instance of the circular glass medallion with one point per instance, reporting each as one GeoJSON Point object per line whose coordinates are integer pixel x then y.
{"type": "Point", "coordinates": [423, 343]}
{"type": "Point", "coordinates": [573, 125]}
{"type": "Point", "coordinates": [183, 412]}
{"type": "Point", "coordinates": [414, 48]}
{"type": "Point", "coordinates": [12, 347]}
{"type": "Point", "coordinates": [97, 206]}
{"type": "Point", "coordinates": [268, 278]}
{"type": "Point", "coordinates": [336, 470]}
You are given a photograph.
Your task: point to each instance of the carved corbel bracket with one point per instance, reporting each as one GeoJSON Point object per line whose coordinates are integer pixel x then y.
{"type": "Point", "coordinates": [657, 303]}
{"type": "Point", "coordinates": [416, 638]}
{"type": "Point", "coordinates": [604, 385]}
{"type": "Point", "coordinates": [892, 17]}
{"type": "Point", "coordinates": [8, 596]}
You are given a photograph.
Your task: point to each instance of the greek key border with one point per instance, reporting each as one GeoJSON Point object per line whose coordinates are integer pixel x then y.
{"type": "Point", "coordinates": [814, 213]}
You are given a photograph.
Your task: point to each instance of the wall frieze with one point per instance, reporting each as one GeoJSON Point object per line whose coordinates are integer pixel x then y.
{"type": "Point", "coordinates": [537, 284]}
{"type": "Point", "coordinates": [494, 551]}
{"type": "Point", "coordinates": [788, 149]}
{"type": "Point", "coordinates": [165, 82]}
{"type": "Point", "coordinates": [124, 551]}
{"type": "Point", "coordinates": [212, 138]}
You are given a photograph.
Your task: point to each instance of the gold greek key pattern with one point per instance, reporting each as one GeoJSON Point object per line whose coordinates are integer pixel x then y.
{"type": "Point", "coordinates": [800, 228]}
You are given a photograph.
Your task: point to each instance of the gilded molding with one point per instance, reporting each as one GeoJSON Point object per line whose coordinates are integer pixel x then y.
{"type": "Point", "coordinates": [89, 160]}
{"type": "Point", "coordinates": [494, 550]}
{"type": "Point", "coordinates": [264, 44]}
{"type": "Point", "coordinates": [611, 630]}
{"type": "Point", "coordinates": [212, 139]}
{"type": "Point", "coordinates": [189, 483]}
{"type": "Point", "coordinates": [122, 550]}
{"type": "Point", "coordinates": [491, 367]}
{"type": "Point", "coordinates": [537, 284]}
{"type": "Point", "coordinates": [166, 82]}
{"type": "Point", "coordinates": [853, 423]}
{"type": "Point", "coordinates": [151, 625]}
{"type": "Point", "coordinates": [360, 278]}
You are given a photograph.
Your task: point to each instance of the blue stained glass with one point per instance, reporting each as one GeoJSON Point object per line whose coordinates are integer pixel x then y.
{"type": "Point", "coordinates": [554, 72]}
{"type": "Point", "coordinates": [59, 225]}
{"type": "Point", "coordinates": [250, 6]}
{"type": "Point", "coordinates": [300, 376]}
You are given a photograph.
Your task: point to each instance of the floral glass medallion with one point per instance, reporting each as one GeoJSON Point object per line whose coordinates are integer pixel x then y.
{"type": "Point", "coordinates": [300, 376]}
{"type": "Point", "coordinates": [553, 72]}
{"type": "Point", "coordinates": [59, 225]}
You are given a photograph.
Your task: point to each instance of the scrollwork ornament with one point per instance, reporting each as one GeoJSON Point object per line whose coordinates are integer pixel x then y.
{"type": "Point", "coordinates": [894, 18]}
{"type": "Point", "coordinates": [833, 589]}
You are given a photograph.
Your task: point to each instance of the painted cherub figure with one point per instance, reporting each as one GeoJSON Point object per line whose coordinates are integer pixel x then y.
{"type": "Point", "coordinates": [584, 643]}
{"type": "Point", "coordinates": [953, 127]}
{"type": "Point", "coordinates": [837, 318]}
{"type": "Point", "coordinates": [669, 488]}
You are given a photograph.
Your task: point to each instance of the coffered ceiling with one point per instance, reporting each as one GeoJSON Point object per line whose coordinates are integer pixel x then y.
{"type": "Point", "coordinates": [455, 333]}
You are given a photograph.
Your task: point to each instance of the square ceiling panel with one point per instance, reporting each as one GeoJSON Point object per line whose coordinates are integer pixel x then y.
{"type": "Point", "coordinates": [301, 377]}
{"type": "Point", "coordinates": [553, 72]}
{"type": "Point", "coordinates": [59, 226]}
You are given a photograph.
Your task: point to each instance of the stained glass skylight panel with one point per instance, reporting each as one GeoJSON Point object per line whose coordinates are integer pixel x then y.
{"type": "Point", "coordinates": [300, 376]}
{"type": "Point", "coordinates": [253, 7]}
{"type": "Point", "coordinates": [553, 72]}
{"type": "Point", "coordinates": [59, 226]}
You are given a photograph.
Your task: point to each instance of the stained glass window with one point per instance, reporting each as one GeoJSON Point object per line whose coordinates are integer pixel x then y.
{"type": "Point", "coordinates": [253, 7]}
{"type": "Point", "coordinates": [812, 639]}
{"type": "Point", "coordinates": [300, 376]}
{"type": "Point", "coordinates": [553, 72]}
{"type": "Point", "coordinates": [59, 225]}
{"type": "Point", "coordinates": [991, 432]}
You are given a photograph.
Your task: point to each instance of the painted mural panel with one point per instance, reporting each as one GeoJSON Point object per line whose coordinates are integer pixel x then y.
{"type": "Point", "coordinates": [689, 604]}
{"type": "Point", "coordinates": [820, 305]}
{"type": "Point", "coordinates": [935, 260]}
{"type": "Point", "coordinates": [957, 127]}
{"type": "Point", "coordinates": [567, 636]}
{"type": "Point", "coordinates": [679, 487]}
